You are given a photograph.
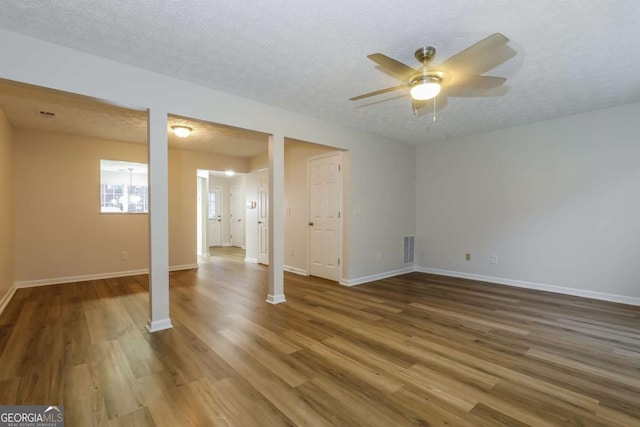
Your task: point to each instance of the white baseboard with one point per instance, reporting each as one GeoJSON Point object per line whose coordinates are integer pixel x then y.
{"type": "Point", "coordinates": [379, 276]}
{"type": "Point", "coordinates": [276, 299]}
{"type": "Point", "coordinates": [86, 277]}
{"type": "Point", "coordinates": [295, 270]}
{"type": "Point", "coordinates": [4, 302]}
{"type": "Point", "coordinates": [183, 267]}
{"type": "Point", "coordinates": [82, 278]}
{"type": "Point", "coordinates": [158, 325]}
{"type": "Point", "coordinates": [251, 260]}
{"type": "Point", "coordinates": [537, 286]}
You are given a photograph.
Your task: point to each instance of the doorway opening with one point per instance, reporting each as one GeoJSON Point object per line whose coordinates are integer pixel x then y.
{"type": "Point", "coordinates": [221, 213]}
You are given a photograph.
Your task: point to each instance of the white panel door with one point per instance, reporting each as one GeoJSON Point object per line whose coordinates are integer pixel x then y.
{"type": "Point", "coordinates": [214, 220]}
{"type": "Point", "coordinates": [236, 199]}
{"type": "Point", "coordinates": [263, 217]}
{"type": "Point", "coordinates": [325, 223]}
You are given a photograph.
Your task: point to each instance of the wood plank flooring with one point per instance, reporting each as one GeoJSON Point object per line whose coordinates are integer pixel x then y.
{"type": "Point", "coordinates": [417, 349]}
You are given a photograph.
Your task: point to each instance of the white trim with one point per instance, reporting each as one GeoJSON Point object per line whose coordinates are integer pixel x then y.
{"type": "Point", "coordinates": [4, 302]}
{"type": "Point", "coordinates": [226, 245]}
{"type": "Point", "coordinates": [158, 325]}
{"type": "Point", "coordinates": [183, 267]}
{"type": "Point", "coordinates": [251, 260]}
{"type": "Point", "coordinates": [275, 299]}
{"type": "Point", "coordinates": [295, 270]}
{"type": "Point", "coordinates": [83, 278]}
{"type": "Point", "coordinates": [99, 276]}
{"type": "Point", "coordinates": [537, 286]}
{"type": "Point", "coordinates": [374, 277]}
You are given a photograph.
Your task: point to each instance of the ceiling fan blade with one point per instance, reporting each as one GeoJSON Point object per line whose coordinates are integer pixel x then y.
{"type": "Point", "coordinates": [480, 57]}
{"type": "Point", "coordinates": [393, 67]}
{"type": "Point", "coordinates": [377, 92]}
{"type": "Point", "coordinates": [468, 86]}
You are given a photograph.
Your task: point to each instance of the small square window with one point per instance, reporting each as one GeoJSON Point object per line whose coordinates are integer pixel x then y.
{"type": "Point", "coordinates": [123, 187]}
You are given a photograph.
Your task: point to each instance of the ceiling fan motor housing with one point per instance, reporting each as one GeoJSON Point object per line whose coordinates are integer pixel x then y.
{"type": "Point", "coordinates": [425, 55]}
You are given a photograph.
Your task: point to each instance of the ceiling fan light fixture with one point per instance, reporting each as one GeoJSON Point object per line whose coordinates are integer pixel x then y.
{"type": "Point", "coordinates": [181, 131]}
{"type": "Point", "coordinates": [425, 87]}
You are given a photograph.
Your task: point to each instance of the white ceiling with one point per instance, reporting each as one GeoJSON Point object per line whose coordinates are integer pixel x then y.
{"type": "Point", "coordinates": [572, 55]}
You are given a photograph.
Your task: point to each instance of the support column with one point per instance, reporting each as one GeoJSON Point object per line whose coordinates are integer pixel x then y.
{"type": "Point", "coordinates": [276, 220]}
{"type": "Point", "coordinates": [158, 222]}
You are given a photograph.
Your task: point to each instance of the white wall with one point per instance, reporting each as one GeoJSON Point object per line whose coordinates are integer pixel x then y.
{"type": "Point", "coordinates": [557, 201]}
{"type": "Point", "coordinates": [382, 175]}
{"type": "Point", "coordinates": [7, 218]}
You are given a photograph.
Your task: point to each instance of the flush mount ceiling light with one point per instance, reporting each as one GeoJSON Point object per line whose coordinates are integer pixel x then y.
{"type": "Point", "coordinates": [181, 131]}
{"type": "Point", "coordinates": [229, 172]}
{"type": "Point", "coordinates": [425, 87]}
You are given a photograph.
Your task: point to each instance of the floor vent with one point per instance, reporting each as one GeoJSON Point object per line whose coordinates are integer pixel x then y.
{"type": "Point", "coordinates": [408, 249]}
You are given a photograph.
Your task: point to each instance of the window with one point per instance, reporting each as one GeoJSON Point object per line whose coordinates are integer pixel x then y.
{"type": "Point", "coordinates": [123, 187]}
{"type": "Point", "coordinates": [213, 212]}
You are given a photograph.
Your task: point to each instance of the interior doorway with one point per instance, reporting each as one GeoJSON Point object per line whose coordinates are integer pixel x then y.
{"type": "Point", "coordinates": [325, 215]}
{"type": "Point", "coordinates": [220, 212]}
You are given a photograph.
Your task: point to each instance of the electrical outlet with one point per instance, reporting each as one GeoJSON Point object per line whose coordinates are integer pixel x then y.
{"type": "Point", "coordinates": [467, 257]}
{"type": "Point", "coordinates": [494, 259]}
{"type": "Point", "coordinates": [291, 252]}
{"type": "Point", "coordinates": [124, 256]}
{"type": "Point", "coordinates": [378, 257]}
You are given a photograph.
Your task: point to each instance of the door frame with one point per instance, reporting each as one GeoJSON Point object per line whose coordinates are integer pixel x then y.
{"type": "Point", "coordinates": [202, 215]}
{"type": "Point", "coordinates": [260, 259]}
{"type": "Point", "coordinates": [341, 215]}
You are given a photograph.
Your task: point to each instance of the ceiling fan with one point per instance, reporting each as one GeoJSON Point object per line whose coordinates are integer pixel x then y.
{"type": "Point", "coordinates": [458, 76]}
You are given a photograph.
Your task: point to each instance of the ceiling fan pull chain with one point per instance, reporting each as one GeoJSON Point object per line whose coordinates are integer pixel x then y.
{"type": "Point", "coordinates": [434, 109]}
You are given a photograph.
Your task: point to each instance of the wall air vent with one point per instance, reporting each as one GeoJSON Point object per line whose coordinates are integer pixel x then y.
{"type": "Point", "coordinates": [408, 249]}
{"type": "Point", "coordinates": [47, 114]}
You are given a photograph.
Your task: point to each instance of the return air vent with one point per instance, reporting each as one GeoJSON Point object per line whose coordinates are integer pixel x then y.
{"type": "Point", "coordinates": [47, 114]}
{"type": "Point", "coordinates": [408, 249]}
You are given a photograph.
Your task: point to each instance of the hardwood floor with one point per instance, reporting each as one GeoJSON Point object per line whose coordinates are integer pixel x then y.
{"type": "Point", "coordinates": [412, 350]}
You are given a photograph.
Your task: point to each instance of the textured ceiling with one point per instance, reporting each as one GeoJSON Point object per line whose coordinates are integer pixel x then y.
{"type": "Point", "coordinates": [31, 107]}
{"type": "Point", "coordinates": [572, 55]}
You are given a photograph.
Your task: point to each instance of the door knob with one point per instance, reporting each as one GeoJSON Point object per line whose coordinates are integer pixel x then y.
{"type": "Point", "coordinates": [259, 222]}
{"type": "Point", "coordinates": [311, 224]}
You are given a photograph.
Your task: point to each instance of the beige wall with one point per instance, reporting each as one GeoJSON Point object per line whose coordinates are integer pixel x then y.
{"type": "Point", "coordinates": [183, 171]}
{"type": "Point", "coordinates": [296, 200]}
{"type": "Point", "coordinates": [6, 208]}
{"type": "Point", "coordinates": [60, 231]}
